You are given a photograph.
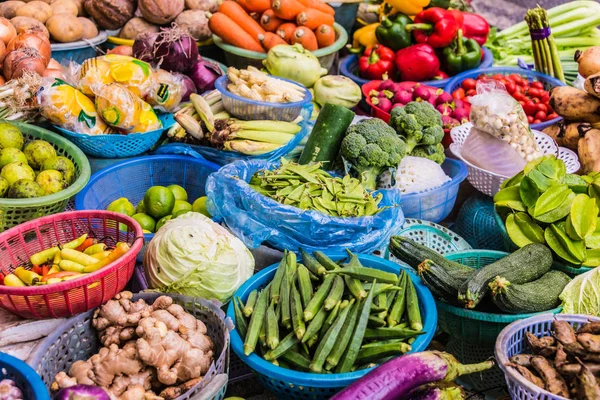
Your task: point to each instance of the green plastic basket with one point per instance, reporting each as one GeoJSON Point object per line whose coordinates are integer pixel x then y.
{"type": "Point", "coordinates": [241, 58]}
{"type": "Point", "coordinates": [509, 246]}
{"type": "Point", "coordinates": [16, 211]}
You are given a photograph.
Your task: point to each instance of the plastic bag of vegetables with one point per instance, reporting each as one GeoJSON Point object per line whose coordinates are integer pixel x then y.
{"type": "Point", "coordinates": [233, 200]}
{"type": "Point", "coordinates": [194, 256]}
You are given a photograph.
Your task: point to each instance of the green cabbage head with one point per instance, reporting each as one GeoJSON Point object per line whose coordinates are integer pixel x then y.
{"type": "Point", "coordinates": [194, 256]}
{"type": "Point", "coordinates": [582, 294]}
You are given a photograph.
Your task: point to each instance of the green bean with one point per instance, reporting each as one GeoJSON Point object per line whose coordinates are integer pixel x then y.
{"type": "Point", "coordinates": [370, 354]}
{"type": "Point", "coordinates": [314, 326]}
{"type": "Point", "coordinates": [325, 261]}
{"type": "Point", "coordinates": [248, 308]}
{"type": "Point", "coordinates": [343, 338]}
{"type": "Point", "coordinates": [366, 274]}
{"type": "Point", "coordinates": [318, 299]}
{"type": "Point", "coordinates": [296, 310]}
{"type": "Point", "coordinates": [312, 264]}
{"type": "Point", "coordinates": [240, 321]}
{"type": "Point", "coordinates": [395, 315]}
{"type": "Point", "coordinates": [272, 327]}
{"type": "Point", "coordinates": [304, 284]}
{"type": "Point", "coordinates": [276, 285]}
{"type": "Point", "coordinates": [412, 306]}
{"type": "Point", "coordinates": [335, 294]}
{"type": "Point", "coordinates": [256, 322]}
{"type": "Point", "coordinates": [284, 345]}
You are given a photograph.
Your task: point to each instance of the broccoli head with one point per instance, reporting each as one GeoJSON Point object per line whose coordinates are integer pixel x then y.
{"type": "Point", "coordinates": [371, 146]}
{"type": "Point", "coordinates": [419, 123]}
{"type": "Point", "coordinates": [434, 152]}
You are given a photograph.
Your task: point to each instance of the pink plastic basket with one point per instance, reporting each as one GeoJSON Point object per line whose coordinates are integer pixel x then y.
{"type": "Point", "coordinates": [74, 296]}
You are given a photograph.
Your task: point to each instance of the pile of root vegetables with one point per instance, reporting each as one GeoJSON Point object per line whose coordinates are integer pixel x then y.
{"type": "Point", "coordinates": [148, 350]}
{"type": "Point", "coordinates": [564, 363]}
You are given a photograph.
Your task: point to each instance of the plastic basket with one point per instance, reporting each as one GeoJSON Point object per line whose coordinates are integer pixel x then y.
{"type": "Point", "coordinates": [240, 58]}
{"type": "Point", "coordinates": [249, 109]}
{"type": "Point", "coordinates": [24, 376]}
{"type": "Point", "coordinates": [548, 81]}
{"type": "Point", "coordinates": [509, 246]}
{"type": "Point", "coordinates": [511, 341]}
{"type": "Point", "coordinates": [77, 51]}
{"type": "Point", "coordinates": [76, 339]}
{"type": "Point", "coordinates": [291, 384]}
{"type": "Point", "coordinates": [116, 145]}
{"type": "Point", "coordinates": [17, 211]}
{"type": "Point", "coordinates": [476, 223]}
{"type": "Point", "coordinates": [349, 68]}
{"type": "Point", "coordinates": [77, 295]}
{"type": "Point", "coordinates": [132, 178]}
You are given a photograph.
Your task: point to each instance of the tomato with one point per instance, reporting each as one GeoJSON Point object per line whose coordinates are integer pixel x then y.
{"type": "Point", "coordinates": [471, 92]}
{"type": "Point", "coordinates": [535, 100]}
{"type": "Point", "coordinates": [545, 97]}
{"type": "Point", "coordinates": [518, 95]}
{"type": "Point", "coordinates": [537, 85]}
{"type": "Point", "coordinates": [533, 92]}
{"type": "Point", "coordinates": [530, 119]}
{"type": "Point", "coordinates": [469, 83]}
{"type": "Point", "coordinates": [542, 107]}
{"type": "Point", "coordinates": [540, 115]}
{"type": "Point", "coordinates": [498, 77]}
{"type": "Point", "coordinates": [510, 87]}
{"type": "Point", "coordinates": [522, 103]}
{"type": "Point", "coordinates": [530, 108]}
{"type": "Point", "coordinates": [458, 94]}
{"type": "Point", "coordinates": [537, 121]}
{"type": "Point", "coordinates": [516, 78]}
{"type": "Point", "coordinates": [553, 115]}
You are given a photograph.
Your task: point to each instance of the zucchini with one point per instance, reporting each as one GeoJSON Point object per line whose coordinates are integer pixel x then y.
{"type": "Point", "coordinates": [536, 296]}
{"type": "Point", "coordinates": [524, 265]}
{"type": "Point", "coordinates": [326, 137]}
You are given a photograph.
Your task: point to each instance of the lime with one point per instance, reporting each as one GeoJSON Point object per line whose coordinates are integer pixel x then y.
{"type": "Point", "coordinates": [159, 201]}
{"type": "Point", "coordinates": [10, 136]}
{"type": "Point", "coordinates": [140, 208]}
{"type": "Point", "coordinates": [200, 206]}
{"type": "Point", "coordinates": [146, 222]}
{"type": "Point", "coordinates": [37, 152]}
{"type": "Point", "coordinates": [162, 221]}
{"type": "Point", "coordinates": [17, 170]}
{"type": "Point", "coordinates": [121, 205]}
{"type": "Point", "coordinates": [3, 186]}
{"type": "Point", "coordinates": [181, 205]}
{"type": "Point", "coordinates": [179, 192]}
{"type": "Point", "coordinates": [10, 155]}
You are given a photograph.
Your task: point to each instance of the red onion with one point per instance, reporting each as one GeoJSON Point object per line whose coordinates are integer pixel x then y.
{"type": "Point", "coordinates": [175, 50]}
{"type": "Point", "coordinates": [204, 74]}
{"type": "Point", "coordinates": [143, 47]}
{"type": "Point", "coordinates": [189, 86]}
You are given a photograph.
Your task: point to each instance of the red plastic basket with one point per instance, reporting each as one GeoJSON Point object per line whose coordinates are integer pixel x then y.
{"type": "Point", "coordinates": [74, 296]}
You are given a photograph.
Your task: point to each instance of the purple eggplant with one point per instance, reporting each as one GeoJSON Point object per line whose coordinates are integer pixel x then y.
{"type": "Point", "coordinates": [436, 392]}
{"type": "Point", "coordinates": [82, 392]}
{"type": "Point", "coordinates": [397, 377]}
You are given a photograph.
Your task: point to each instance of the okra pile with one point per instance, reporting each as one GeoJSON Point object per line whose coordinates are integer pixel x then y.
{"type": "Point", "coordinates": [324, 316]}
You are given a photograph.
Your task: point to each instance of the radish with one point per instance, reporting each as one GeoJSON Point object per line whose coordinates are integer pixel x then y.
{"type": "Point", "coordinates": [444, 98]}
{"type": "Point", "coordinates": [397, 377]}
{"type": "Point", "coordinates": [421, 92]}
{"type": "Point", "coordinates": [407, 85]}
{"type": "Point", "coordinates": [448, 122]}
{"type": "Point", "coordinates": [444, 109]}
{"type": "Point", "coordinates": [384, 104]}
{"type": "Point", "coordinates": [388, 84]}
{"type": "Point", "coordinates": [458, 103]}
{"type": "Point", "coordinates": [403, 97]}
{"type": "Point", "coordinates": [461, 114]}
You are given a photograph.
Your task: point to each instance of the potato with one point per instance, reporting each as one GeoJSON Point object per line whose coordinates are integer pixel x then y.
{"type": "Point", "coordinates": [90, 30]}
{"type": "Point", "coordinates": [27, 23]}
{"type": "Point", "coordinates": [195, 23]}
{"type": "Point", "coordinates": [64, 7]}
{"type": "Point", "coordinates": [44, 1]}
{"type": "Point", "coordinates": [8, 9]}
{"type": "Point", "coordinates": [135, 27]}
{"type": "Point", "coordinates": [37, 10]}
{"type": "Point", "coordinates": [205, 5]}
{"type": "Point", "coordinates": [65, 28]}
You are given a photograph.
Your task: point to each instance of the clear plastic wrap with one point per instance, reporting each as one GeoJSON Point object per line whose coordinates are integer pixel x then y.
{"type": "Point", "coordinates": [166, 90]}
{"type": "Point", "coordinates": [256, 218]}
{"type": "Point", "coordinates": [491, 154]}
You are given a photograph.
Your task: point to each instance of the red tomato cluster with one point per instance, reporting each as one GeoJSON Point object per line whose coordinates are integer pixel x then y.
{"type": "Point", "coordinates": [531, 95]}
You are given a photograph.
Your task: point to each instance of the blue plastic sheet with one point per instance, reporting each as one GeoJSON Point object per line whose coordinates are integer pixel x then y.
{"type": "Point", "coordinates": [256, 218]}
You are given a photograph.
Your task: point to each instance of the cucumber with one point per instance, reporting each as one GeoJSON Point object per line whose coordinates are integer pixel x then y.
{"type": "Point", "coordinates": [324, 142]}
{"type": "Point", "coordinates": [524, 265]}
{"type": "Point", "coordinates": [536, 296]}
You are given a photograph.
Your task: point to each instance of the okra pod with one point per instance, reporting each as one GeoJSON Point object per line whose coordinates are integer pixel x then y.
{"type": "Point", "coordinates": [296, 311]}
{"type": "Point", "coordinates": [276, 284]}
{"type": "Point", "coordinates": [335, 294]}
{"type": "Point", "coordinates": [343, 338]}
{"type": "Point", "coordinates": [380, 342]}
{"type": "Point", "coordinates": [315, 325]}
{"type": "Point", "coordinates": [412, 306]}
{"type": "Point", "coordinates": [272, 327]}
{"type": "Point", "coordinates": [256, 322]}
{"type": "Point", "coordinates": [318, 299]}
{"type": "Point", "coordinates": [391, 333]}
{"type": "Point", "coordinates": [355, 287]}
{"type": "Point", "coordinates": [312, 276]}
{"type": "Point", "coordinates": [284, 345]}
{"type": "Point", "coordinates": [296, 359]}
{"type": "Point", "coordinates": [331, 318]}
{"type": "Point", "coordinates": [312, 264]}
{"type": "Point", "coordinates": [284, 297]}
{"type": "Point", "coordinates": [390, 296]}
{"type": "Point", "coordinates": [351, 353]}
{"type": "Point", "coordinates": [375, 322]}
{"type": "Point", "coordinates": [382, 302]}
{"type": "Point", "coordinates": [376, 308]}
{"type": "Point", "coordinates": [325, 261]}
{"type": "Point", "coordinates": [310, 343]}
{"type": "Point", "coordinates": [240, 321]}
{"type": "Point", "coordinates": [366, 274]}
{"type": "Point", "coordinates": [262, 336]}
{"type": "Point", "coordinates": [371, 354]}
{"type": "Point", "coordinates": [291, 264]}
{"type": "Point", "coordinates": [395, 314]}
{"type": "Point", "coordinates": [249, 307]}
{"type": "Point", "coordinates": [304, 284]}
{"type": "Point", "coordinates": [328, 341]}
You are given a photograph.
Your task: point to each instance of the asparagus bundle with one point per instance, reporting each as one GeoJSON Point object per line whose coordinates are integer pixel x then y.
{"type": "Point", "coordinates": [545, 51]}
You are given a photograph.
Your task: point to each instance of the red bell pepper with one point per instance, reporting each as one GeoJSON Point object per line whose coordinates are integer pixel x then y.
{"type": "Point", "coordinates": [458, 17]}
{"type": "Point", "coordinates": [475, 27]}
{"type": "Point", "coordinates": [440, 75]}
{"type": "Point", "coordinates": [435, 26]}
{"type": "Point", "coordinates": [417, 63]}
{"type": "Point", "coordinates": [377, 63]}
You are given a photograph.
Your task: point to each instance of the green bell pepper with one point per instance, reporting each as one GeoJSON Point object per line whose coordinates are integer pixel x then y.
{"type": "Point", "coordinates": [463, 54]}
{"type": "Point", "coordinates": [392, 31]}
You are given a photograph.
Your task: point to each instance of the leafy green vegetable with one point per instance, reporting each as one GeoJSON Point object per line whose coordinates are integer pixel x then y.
{"type": "Point", "coordinates": [582, 294]}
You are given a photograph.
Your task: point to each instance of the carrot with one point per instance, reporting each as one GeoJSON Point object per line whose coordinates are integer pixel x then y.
{"type": "Point", "coordinates": [234, 11]}
{"type": "Point", "coordinates": [60, 275]}
{"type": "Point", "coordinates": [270, 40]}
{"type": "Point", "coordinates": [325, 35]}
{"type": "Point", "coordinates": [224, 27]}
{"type": "Point", "coordinates": [258, 6]}
{"type": "Point", "coordinates": [45, 270]}
{"type": "Point", "coordinates": [287, 9]}
{"type": "Point", "coordinates": [86, 243]}
{"type": "Point", "coordinates": [305, 37]}
{"type": "Point", "coordinates": [269, 21]}
{"type": "Point", "coordinates": [286, 31]}
{"type": "Point", "coordinates": [312, 19]}
{"type": "Point", "coordinates": [318, 5]}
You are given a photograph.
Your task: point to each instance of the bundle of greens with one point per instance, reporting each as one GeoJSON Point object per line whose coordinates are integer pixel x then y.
{"type": "Point", "coordinates": [545, 52]}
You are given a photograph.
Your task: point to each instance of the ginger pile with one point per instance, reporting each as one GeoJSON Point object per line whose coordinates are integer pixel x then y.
{"type": "Point", "coordinates": [148, 349]}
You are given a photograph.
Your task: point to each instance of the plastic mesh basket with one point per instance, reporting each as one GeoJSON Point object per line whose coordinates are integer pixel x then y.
{"type": "Point", "coordinates": [511, 341]}
{"type": "Point", "coordinates": [475, 222]}
{"type": "Point", "coordinates": [17, 211]}
{"type": "Point", "coordinates": [291, 384]}
{"type": "Point", "coordinates": [76, 339]}
{"type": "Point", "coordinates": [24, 376]}
{"type": "Point", "coordinates": [76, 295]}
{"type": "Point", "coordinates": [119, 146]}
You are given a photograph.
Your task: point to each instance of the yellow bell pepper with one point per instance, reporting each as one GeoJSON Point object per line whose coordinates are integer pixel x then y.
{"type": "Point", "coordinates": [365, 36]}
{"type": "Point", "coordinates": [408, 7]}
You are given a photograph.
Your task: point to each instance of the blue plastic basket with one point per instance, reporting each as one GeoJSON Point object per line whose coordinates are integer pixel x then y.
{"type": "Point", "coordinates": [24, 376]}
{"type": "Point", "coordinates": [548, 81]}
{"type": "Point", "coordinates": [118, 146]}
{"type": "Point", "coordinates": [132, 178]}
{"type": "Point", "coordinates": [349, 68]}
{"type": "Point", "coordinates": [287, 383]}
{"type": "Point", "coordinates": [77, 51]}
{"type": "Point", "coordinates": [476, 223]}
{"type": "Point", "coordinates": [435, 205]}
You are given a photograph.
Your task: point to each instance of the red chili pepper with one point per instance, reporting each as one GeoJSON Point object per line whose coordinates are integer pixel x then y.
{"type": "Point", "coordinates": [45, 270]}
{"type": "Point", "coordinates": [417, 63]}
{"type": "Point", "coordinates": [434, 26]}
{"type": "Point", "coordinates": [1, 278]}
{"type": "Point", "coordinates": [36, 268]}
{"type": "Point", "coordinates": [475, 27]}
{"type": "Point", "coordinates": [377, 63]}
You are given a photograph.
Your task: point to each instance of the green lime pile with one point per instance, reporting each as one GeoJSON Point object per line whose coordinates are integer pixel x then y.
{"type": "Point", "coordinates": [159, 205]}
{"type": "Point", "coordinates": [33, 169]}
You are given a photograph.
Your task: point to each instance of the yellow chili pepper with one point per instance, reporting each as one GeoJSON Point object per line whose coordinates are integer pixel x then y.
{"type": "Point", "coordinates": [13, 280]}
{"type": "Point", "coordinates": [408, 7]}
{"type": "Point", "coordinates": [365, 36]}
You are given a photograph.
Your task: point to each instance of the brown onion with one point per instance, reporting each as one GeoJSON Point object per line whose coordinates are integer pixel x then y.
{"type": "Point", "coordinates": [2, 80]}
{"type": "Point", "coordinates": [18, 61]}
{"type": "Point", "coordinates": [53, 64]}
{"type": "Point", "coordinates": [32, 39]}
{"type": "Point", "coordinates": [7, 30]}
{"type": "Point", "coordinates": [2, 51]}
{"type": "Point", "coordinates": [122, 50]}
{"type": "Point", "coordinates": [53, 73]}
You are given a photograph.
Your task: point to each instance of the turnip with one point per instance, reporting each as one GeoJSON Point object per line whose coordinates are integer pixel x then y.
{"type": "Point", "coordinates": [444, 97]}
{"type": "Point", "coordinates": [403, 97]}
